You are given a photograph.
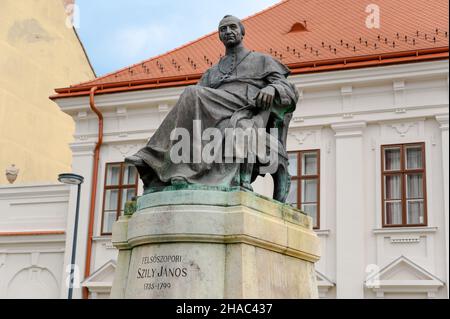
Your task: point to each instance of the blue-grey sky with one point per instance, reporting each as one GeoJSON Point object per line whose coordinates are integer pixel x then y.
{"type": "Point", "coordinates": [123, 32]}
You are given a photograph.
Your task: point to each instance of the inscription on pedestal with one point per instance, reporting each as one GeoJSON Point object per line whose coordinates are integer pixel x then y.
{"type": "Point", "coordinates": [175, 271]}
{"type": "Point", "coordinates": [158, 272]}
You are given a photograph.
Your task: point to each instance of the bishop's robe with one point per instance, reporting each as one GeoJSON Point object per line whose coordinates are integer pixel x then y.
{"type": "Point", "coordinates": [223, 98]}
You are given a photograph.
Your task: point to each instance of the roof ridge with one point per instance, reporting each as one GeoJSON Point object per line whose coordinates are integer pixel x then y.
{"type": "Point", "coordinates": [179, 47]}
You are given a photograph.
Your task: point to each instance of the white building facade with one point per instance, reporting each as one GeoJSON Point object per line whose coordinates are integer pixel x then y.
{"type": "Point", "coordinates": [33, 223]}
{"type": "Point", "coordinates": [372, 128]}
{"type": "Point", "coordinates": [357, 122]}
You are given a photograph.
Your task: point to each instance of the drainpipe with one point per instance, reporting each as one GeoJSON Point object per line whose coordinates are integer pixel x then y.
{"type": "Point", "coordinates": [87, 270]}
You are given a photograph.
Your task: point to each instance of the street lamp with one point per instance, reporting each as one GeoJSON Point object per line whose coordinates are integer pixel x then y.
{"type": "Point", "coordinates": [73, 179]}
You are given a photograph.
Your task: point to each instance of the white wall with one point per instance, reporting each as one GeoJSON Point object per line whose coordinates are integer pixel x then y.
{"type": "Point", "coordinates": [32, 240]}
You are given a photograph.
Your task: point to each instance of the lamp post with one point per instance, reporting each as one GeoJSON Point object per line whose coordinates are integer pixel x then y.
{"type": "Point", "coordinates": [73, 179]}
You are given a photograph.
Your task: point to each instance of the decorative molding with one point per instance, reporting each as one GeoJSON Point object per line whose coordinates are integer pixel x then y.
{"type": "Point", "coordinates": [347, 101]}
{"type": "Point", "coordinates": [32, 233]}
{"type": "Point", "coordinates": [324, 284]}
{"type": "Point", "coordinates": [301, 137]}
{"type": "Point", "coordinates": [125, 149]}
{"type": "Point", "coordinates": [163, 108]}
{"type": "Point", "coordinates": [33, 240]}
{"type": "Point", "coordinates": [400, 111]}
{"type": "Point", "coordinates": [328, 147]}
{"type": "Point", "coordinates": [369, 75]}
{"type": "Point", "coordinates": [121, 111]}
{"type": "Point", "coordinates": [44, 281]}
{"type": "Point", "coordinates": [405, 240]}
{"type": "Point", "coordinates": [96, 282]}
{"type": "Point", "coordinates": [433, 139]}
{"type": "Point", "coordinates": [105, 241]}
{"type": "Point", "coordinates": [40, 201]}
{"type": "Point", "coordinates": [222, 239]}
{"type": "Point", "coordinates": [83, 148]}
{"type": "Point", "coordinates": [39, 192]}
{"type": "Point", "coordinates": [82, 123]}
{"type": "Point", "coordinates": [403, 128]}
{"type": "Point", "coordinates": [29, 250]}
{"type": "Point", "coordinates": [363, 75]}
{"type": "Point", "coordinates": [142, 98]}
{"type": "Point", "coordinates": [132, 136]}
{"type": "Point", "coordinates": [346, 90]}
{"type": "Point", "coordinates": [399, 85]}
{"type": "Point", "coordinates": [349, 129]}
{"type": "Point", "coordinates": [322, 232]}
{"type": "Point", "coordinates": [405, 230]}
{"type": "Point", "coordinates": [102, 238]}
{"type": "Point", "coordinates": [122, 117]}
{"type": "Point", "coordinates": [82, 115]}
{"type": "Point", "coordinates": [381, 282]}
{"type": "Point", "coordinates": [443, 121]}
{"type": "Point", "coordinates": [35, 259]}
{"type": "Point", "coordinates": [399, 96]}
{"type": "Point", "coordinates": [373, 144]}
{"type": "Point", "coordinates": [108, 245]}
{"type": "Point", "coordinates": [81, 138]}
{"type": "Point", "coordinates": [374, 115]}
{"type": "Point", "coordinates": [11, 173]}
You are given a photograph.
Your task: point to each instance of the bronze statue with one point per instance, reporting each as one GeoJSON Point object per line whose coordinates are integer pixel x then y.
{"type": "Point", "coordinates": [245, 90]}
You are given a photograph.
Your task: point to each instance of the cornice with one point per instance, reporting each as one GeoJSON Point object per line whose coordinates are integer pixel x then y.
{"type": "Point", "coordinates": [349, 129]}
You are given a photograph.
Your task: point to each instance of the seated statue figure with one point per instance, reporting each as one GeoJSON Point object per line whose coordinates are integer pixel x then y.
{"type": "Point", "coordinates": [245, 90]}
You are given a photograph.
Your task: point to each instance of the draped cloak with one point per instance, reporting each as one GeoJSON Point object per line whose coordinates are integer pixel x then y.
{"type": "Point", "coordinates": [220, 100]}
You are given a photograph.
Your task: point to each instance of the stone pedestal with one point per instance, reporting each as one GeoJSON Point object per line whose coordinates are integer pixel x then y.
{"type": "Point", "coordinates": [191, 244]}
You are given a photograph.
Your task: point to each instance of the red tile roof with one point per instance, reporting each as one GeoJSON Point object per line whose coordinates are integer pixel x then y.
{"type": "Point", "coordinates": [306, 35]}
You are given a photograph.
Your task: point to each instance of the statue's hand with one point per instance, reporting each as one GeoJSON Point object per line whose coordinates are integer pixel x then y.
{"type": "Point", "coordinates": [265, 97]}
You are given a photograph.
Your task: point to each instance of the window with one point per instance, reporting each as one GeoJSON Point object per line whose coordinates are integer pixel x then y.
{"type": "Point", "coordinates": [304, 168]}
{"type": "Point", "coordinates": [121, 182]}
{"type": "Point", "coordinates": [403, 185]}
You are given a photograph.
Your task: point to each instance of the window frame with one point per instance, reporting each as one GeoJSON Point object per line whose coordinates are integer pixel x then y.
{"type": "Point", "coordinates": [404, 172]}
{"type": "Point", "coordinates": [299, 179]}
{"type": "Point", "coordinates": [120, 187]}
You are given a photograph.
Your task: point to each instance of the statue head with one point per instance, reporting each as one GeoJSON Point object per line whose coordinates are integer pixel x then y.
{"type": "Point", "coordinates": [231, 31]}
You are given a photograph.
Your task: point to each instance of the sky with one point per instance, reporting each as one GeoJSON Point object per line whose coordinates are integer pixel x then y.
{"type": "Point", "coordinates": [120, 33]}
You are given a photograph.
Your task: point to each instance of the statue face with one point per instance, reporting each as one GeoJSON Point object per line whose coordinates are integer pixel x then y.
{"type": "Point", "coordinates": [230, 32]}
